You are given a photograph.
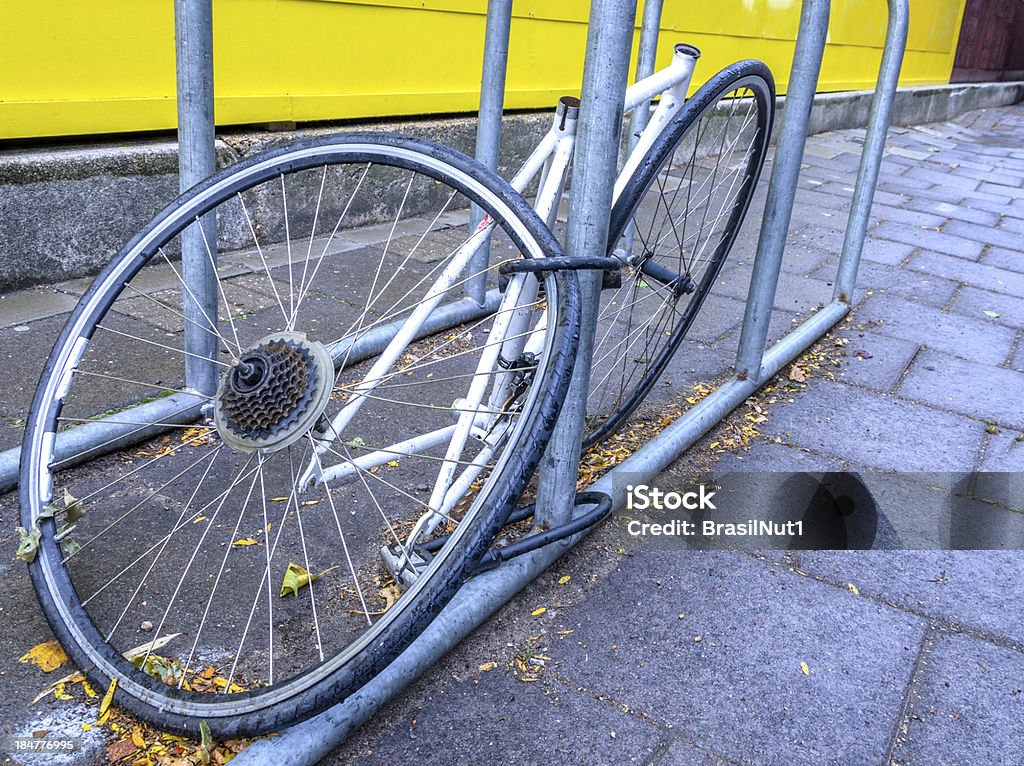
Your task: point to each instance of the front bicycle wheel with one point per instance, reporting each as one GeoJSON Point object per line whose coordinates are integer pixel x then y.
{"type": "Point", "coordinates": [673, 227]}
{"type": "Point", "coordinates": [217, 551]}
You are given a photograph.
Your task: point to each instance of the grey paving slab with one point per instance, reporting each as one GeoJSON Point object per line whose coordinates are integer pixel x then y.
{"type": "Point", "coordinates": [728, 673]}
{"type": "Point", "coordinates": [875, 361]}
{"type": "Point", "coordinates": [959, 212]}
{"type": "Point", "coordinates": [976, 339]}
{"type": "Point", "coordinates": [1009, 223]}
{"type": "Point", "coordinates": [492, 716]}
{"type": "Point", "coordinates": [978, 590]}
{"type": "Point", "coordinates": [969, 708]}
{"type": "Point", "coordinates": [682, 753]}
{"type": "Point", "coordinates": [1014, 192]}
{"type": "Point", "coordinates": [875, 430]}
{"type": "Point", "coordinates": [978, 274]}
{"type": "Point", "coordinates": [983, 391]}
{"type": "Point", "coordinates": [943, 241]}
{"type": "Point", "coordinates": [1017, 362]}
{"type": "Point", "coordinates": [1004, 258]}
{"type": "Point", "coordinates": [794, 291]}
{"type": "Point", "coordinates": [771, 456]}
{"type": "Point", "coordinates": [974, 302]}
{"type": "Point", "coordinates": [23, 306]}
{"type": "Point", "coordinates": [944, 178]}
{"type": "Point", "coordinates": [983, 234]}
{"type": "Point", "coordinates": [886, 251]}
{"type": "Point", "coordinates": [1004, 451]}
{"type": "Point", "coordinates": [883, 213]}
{"type": "Point", "coordinates": [886, 280]}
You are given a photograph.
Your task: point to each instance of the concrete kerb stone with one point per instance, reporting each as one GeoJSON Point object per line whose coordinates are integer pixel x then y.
{"type": "Point", "coordinates": [64, 211]}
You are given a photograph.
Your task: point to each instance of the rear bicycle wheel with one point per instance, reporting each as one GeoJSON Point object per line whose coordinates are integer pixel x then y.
{"type": "Point", "coordinates": [673, 227]}
{"type": "Point", "coordinates": [218, 553]}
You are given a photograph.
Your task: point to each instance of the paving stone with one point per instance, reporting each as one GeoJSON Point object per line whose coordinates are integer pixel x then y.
{"type": "Point", "coordinates": [978, 274]}
{"type": "Point", "coordinates": [976, 589]}
{"type": "Point", "coordinates": [740, 689]}
{"type": "Point", "coordinates": [1014, 192]}
{"type": "Point", "coordinates": [983, 391]}
{"type": "Point", "coordinates": [976, 339]}
{"type": "Point", "coordinates": [875, 430]}
{"type": "Point", "coordinates": [947, 178]}
{"type": "Point", "coordinates": [496, 717]}
{"type": "Point", "coordinates": [875, 361]}
{"type": "Point", "coordinates": [1009, 223]}
{"type": "Point", "coordinates": [681, 753]}
{"type": "Point", "coordinates": [974, 302]}
{"type": "Point", "coordinates": [885, 280]}
{"type": "Point", "coordinates": [24, 306]}
{"type": "Point", "coordinates": [883, 213]}
{"type": "Point", "coordinates": [983, 234]}
{"type": "Point", "coordinates": [1004, 451]}
{"type": "Point", "coordinates": [1012, 260]}
{"type": "Point", "coordinates": [938, 241]}
{"type": "Point", "coordinates": [803, 259]}
{"type": "Point", "coordinates": [969, 707]}
{"type": "Point", "coordinates": [886, 251]}
{"type": "Point", "coordinates": [794, 292]}
{"type": "Point", "coordinates": [958, 212]}
{"type": "Point", "coordinates": [772, 456]}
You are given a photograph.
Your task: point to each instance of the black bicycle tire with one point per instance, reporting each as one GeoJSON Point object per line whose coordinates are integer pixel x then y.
{"type": "Point", "coordinates": [707, 97]}
{"type": "Point", "coordinates": [475, 539]}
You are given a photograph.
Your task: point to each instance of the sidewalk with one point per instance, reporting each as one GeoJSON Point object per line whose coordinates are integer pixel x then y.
{"type": "Point", "coordinates": [675, 658]}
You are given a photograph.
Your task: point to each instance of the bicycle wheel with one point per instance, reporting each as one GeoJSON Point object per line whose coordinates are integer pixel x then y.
{"type": "Point", "coordinates": [231, 544]}
{"type": "Point", "coordinates": [672, 227]}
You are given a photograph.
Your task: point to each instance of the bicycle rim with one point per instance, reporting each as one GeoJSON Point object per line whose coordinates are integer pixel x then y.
{"type": "Point", "coordinates": [673, 227]}
{"type": "Point", "coordinates": [234, 535]}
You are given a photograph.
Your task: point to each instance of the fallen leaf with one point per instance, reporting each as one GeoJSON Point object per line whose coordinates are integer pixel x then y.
{"type": "Point", "coordinates": [853, 589]}
{"type": "Point", "coordinates": [805, 669]}
{"type": "Point", "coordinates": [538, 612]}
{"type": "Point", "coordinates": [28, 543]}
{"type": "Point", "coordinates": [992, 314]}
{"type": "Point", "coordinates": [47, 656]}
{"type": "Point", "coordinates": [205, 742]}
{"type": "Point", "coordinates": [488, 666]}
{"type": "Point", "coordinates": [797, 374]}
{"type": "Point", "coordinates": [137, 737]}
{"type": "Point", "coordinates": [105, 703]}
{"type": "Point", "coordinates": [120, 749]}
{"type": "Point", "coordinates": [563, 580]}
{"type": "Point", "coordinates": [296, 577]}
{"type": "Point", "coordinates": [245, 541]}
{"type": "Point", "coordinates": [198, 519]}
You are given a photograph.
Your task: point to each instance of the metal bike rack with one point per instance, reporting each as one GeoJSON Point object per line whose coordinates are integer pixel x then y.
{"type": "Point", "coordinates": [607, 59]}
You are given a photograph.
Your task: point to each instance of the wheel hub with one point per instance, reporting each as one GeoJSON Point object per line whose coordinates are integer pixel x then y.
{"type": "Point", "coordinates": [275, 393]}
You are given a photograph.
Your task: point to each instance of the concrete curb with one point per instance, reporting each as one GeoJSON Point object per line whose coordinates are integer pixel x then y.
{"type": "Point", "coordinates": [65, 211]}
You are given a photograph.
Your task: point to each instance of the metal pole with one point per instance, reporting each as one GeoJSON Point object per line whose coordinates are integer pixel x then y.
{"type": "Point", "coordinates": [605, 71]}
{"type": "Point", "coordinates": [197, 159]}
{"type": "Point", "coordinates": [488, 129]}
{"type": "Point", "coordinates": [647, 53]}
{"type": "Point", "coordinates": [874, 143]}
{"type": "Point", "coordinates": [803, 82]}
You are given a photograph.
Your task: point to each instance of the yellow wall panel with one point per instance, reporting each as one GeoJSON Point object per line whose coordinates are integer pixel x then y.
{"type": "Point", "coordinates": [74, 68]}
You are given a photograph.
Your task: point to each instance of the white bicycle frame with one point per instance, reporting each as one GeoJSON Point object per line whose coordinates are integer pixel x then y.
{"type": "Point", "coordinates": [550, 160]}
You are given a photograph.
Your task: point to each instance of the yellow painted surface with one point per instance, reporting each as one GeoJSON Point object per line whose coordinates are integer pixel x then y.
{"type": "Point", "coordinates": [71, 68]}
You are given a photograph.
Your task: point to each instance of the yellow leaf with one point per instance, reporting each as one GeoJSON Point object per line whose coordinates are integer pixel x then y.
{"type": "Point", "coordinates": [86, 726]}
{"type": "Point", "coordinates": [564, 580]}
{"type": "Point", "coordinates": [488, 666]}
{"type": "Point", "coordinates": [197, 519]}
{"type": "Point", "coordinates": [806, 670]}
{"type": "Point", "coordinates": [245, 541]}
{"type": "Point", "coordinates": [107, 699]}
{"type": "Point", "coordinates": [393, 463]}
{"type": "Point", "coordinates": [853, 589]}
{"type": "Point", "coordinates": [60, 694]}
{"type": "Point", "coordinates": [137, 738]}
{"type": "Point", "coordinates": [47, 656]}
{"type": "Point", "coordinates": [88, 689]}
{"type": "Point", "coordinates": [278, 499]}
{"type": "Point", "coordinates": [538, 612]}
{"type": "Point", "coordinates": [295, 577]}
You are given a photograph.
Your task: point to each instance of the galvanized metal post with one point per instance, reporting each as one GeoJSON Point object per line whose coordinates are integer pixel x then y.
{"type": "Point", "coordinates": [605, 71]}
{"type": "Point", "coordinates": [197, 159]}
{"type": "Point", "coordinates": [647, 53]}
{"type": "Point", "coordinates": [488, 129]}
{"type": "Point", "coordinates": [874, 144]}
{"type": "Point", "coordinates": [803, 82]}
